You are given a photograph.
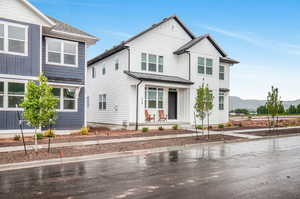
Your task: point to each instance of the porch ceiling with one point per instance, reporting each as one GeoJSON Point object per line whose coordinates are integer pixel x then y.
{"type": "Point", "coordinates": [158, 78]}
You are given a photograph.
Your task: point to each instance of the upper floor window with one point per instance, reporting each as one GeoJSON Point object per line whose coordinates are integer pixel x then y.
{"type": "Point", "coordinates": [102, 102]}
{"type": "Point", "coordinates": [152, 63]}
{"type": "Point", "coordinates": [103, 71]}
{"type": "Point", "coordinates": [93, 72]}
{"type": "Point", "coordinates": [117, 64]}
{"type": "Point", "coordinates": [205, 66]}
{"type": "Point", "coordinates": [61, 52]}
{"type": "Point", "coordinates": [13, 38]}
{"type": "Point", "coordinates": [1, 94]}
{"type": "Point", "coordinates": [222, 73]}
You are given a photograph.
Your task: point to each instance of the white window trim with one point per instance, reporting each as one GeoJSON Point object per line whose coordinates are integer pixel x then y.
{"type": "Point", "coordinates": [221, 72]}
{"type": "Point", "coordinates": [223, 95]}
{"type": "Point", "coordinates": [62, 53]}
{"type": "Point", "coordinates": [147, 63]}
{"type": "Point", "coordinates": [5, 51]}
{"type": "Point", "coordinates": [101, 99]}
{"type": "Point", "coordinates": [5, 95]}
{"type": "Point", "coordinates": [61, 99]}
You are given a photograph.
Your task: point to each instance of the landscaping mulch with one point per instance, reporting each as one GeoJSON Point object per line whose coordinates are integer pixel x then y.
{"type": "Point", "coordinates": [238, 128]}
{"type": "Point", "coordinates": [274, 132]}
{"type": "Point", "coordinates": [18, 156]}
{"type": "Point", "coordinates": [93, 135]}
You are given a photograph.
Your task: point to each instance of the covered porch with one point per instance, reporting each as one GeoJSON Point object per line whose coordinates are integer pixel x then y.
{"type": "Point", "coordinates": [161, 102]}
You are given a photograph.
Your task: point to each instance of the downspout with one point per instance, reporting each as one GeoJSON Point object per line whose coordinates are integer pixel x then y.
{"type": "Point", "coordinates": [137, 106]}
{"type": "Point", "coordinates": [188, 52]}
{"type": "Point", "coordinates": [128, 49]}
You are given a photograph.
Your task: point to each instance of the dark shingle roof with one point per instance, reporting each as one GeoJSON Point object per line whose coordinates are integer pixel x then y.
{"type": "Point", "coordinates": [194, 41]}
{"type": "Point", "coordinates": [123, 44]}
{"type": "Point", "coordinates": [61, 26]}
{"type": "Point", "coordinates": [158, 78]}
{"type": "Point", "coordinates": [228, 60]}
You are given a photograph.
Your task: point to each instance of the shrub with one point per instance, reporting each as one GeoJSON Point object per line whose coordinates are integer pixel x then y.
{"type": "Point", "coordinates": [161, 128]}
{"type": "Point", "coordinates": [17, 138]}
{"type": "Point", "coordinates": [199, 127]}
{"type": "Point", "coordinates": [49, 133]}
{"type": "Point", "coordinates": [240, 125]}
{"type": "Point", "coordinates": [175, 127]}
{"type": "Point", "coordinates": [84, 131]}
{"type": "Point", "coordinates": [229, 124]}
{"type": "Point", "coordinates": [221, 126]}
{"type": "Point", "coordinates": [145, 129]}
{"type": "Point", "coordinates": [39, 136]}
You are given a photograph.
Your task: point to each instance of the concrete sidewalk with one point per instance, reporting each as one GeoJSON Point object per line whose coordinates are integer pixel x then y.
{"type": "Point", "coordinates": [235, 133]}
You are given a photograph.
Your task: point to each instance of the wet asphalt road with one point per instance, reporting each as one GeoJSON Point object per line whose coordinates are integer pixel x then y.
{"type": "Point", "coordinates": [257, 169]}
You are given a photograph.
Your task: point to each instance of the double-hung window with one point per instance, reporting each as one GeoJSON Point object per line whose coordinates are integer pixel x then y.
{"type": "Point", "coordinates": [13, 38]}
{"type": "Point", "coordinates": [117, 64]}
{"type": "Point", "coordinates": [222, 73]}
{"type": "Point", "coordinates": [61, 52]}
{"type": "Point", "coordinates": [103, 70]}
{"type": "Point", "coordinates": [69, 97]}
{"type": "Point", "coordinates": [102, 102]}
{"type": "Point", "coordinates": [152, 63]}
{"type": "Point", "coordinates": [66, 98]}
{"type": "Point", "coordinates": [93, 72]}
{"type": "Point", "coordinates": [16, 92]}
{"type": "Point", "coordinates": [221, 101]}
{"type": "Point", "coordinates": [209, 66]}
{"type": "Point", "coordinates": [201, 65]}
{"type": "Point", "coordinates": [154, 98]}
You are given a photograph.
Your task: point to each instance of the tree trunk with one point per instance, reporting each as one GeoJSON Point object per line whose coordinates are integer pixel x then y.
{"type": "Point", "coordinates": [207, 125]}
{"type": "Point", "coordinates": [35, 140]}
{"type": "Point", "coordinates": [202, 126]}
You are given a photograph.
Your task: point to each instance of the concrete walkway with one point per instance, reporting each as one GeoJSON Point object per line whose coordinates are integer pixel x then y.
{"type": "Point", "coordinates": [139, 139]}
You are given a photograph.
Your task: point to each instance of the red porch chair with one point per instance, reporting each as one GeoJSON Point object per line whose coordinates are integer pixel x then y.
{"type": "Point", "coordinates": [148, 117]}
{"type": "Point", "coordinates": [162, 116]}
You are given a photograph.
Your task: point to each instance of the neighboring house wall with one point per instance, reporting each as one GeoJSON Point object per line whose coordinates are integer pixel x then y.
{"type": "Point", "coordinates": [23, 65]}
{"type": "Point", "coordinates": [115, 84]}
{"type": "Point", "coordinates": [66, 71]}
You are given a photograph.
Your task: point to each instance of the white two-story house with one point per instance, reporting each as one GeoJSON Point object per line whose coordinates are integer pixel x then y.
{"type": "Point", "coordinates": [152, 78]}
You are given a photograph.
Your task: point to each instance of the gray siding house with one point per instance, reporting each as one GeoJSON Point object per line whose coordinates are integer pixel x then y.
{"type": "Point", "coordinates": [31, 44]}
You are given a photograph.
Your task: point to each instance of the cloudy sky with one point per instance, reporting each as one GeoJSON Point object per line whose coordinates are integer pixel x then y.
{"type": "Point", "coordinates": [263, 35]}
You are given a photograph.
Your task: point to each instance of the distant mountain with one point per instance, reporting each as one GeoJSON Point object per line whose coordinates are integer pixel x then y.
{"type": "Point", "coordinates": [237, 102]}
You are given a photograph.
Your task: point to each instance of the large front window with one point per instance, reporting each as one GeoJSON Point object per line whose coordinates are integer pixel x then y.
{"type": "Point", "coordinates": [13, 38]}
{"type": "Point", "coordinates": [154, 98]}
{"type": "Point", "coordinates": [205, 65]}
{"type": "Point", "coordinates": [66, 98]}
{"type": "Point", "coordinates": [11, 94]}
{"type": "Point", "coordinates": [61, 52]}
{"type": "Point", "coordinates": [152, 63]}
{"type": "Point", "coordinates": [1, 94]}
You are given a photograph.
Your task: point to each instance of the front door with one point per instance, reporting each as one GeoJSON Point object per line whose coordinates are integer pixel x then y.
{"type": "Point", "coordinates": [172, 106]}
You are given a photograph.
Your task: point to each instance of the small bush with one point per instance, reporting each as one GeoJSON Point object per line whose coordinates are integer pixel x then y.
{"type": "Point", "coordinates": [240, 125]}
{"type": "Point", "coordinates": [49, 133]}
{"type": "Point", "coordinates": [145, 129]}
{"type": "Point", "coordinates": [175, 127]}
{"type": "Point", "coordinates": [17, 138]}
{"type": "Point", "coordinates": [229, 124]}
{"type": "Point", "coordinates": [221, 126]}
{"type": "Point", "coordinates": [39, 136]}
{"type": "Point", "coordinates": [84, 131]}
{"type": "Point", "coordinates": [199, 127]}
{"type": "Point", "coordinates": [161, 128]}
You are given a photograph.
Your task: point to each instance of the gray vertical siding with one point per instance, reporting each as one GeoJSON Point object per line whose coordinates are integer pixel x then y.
{"type": "Point", "coordinates": [72, 120]}
{"type": "Point", "coordinates": [9, 120]}
{"type": "Point", "coordinates": [65, 71]}
{"type": "Point", "coordinates": [23, 65]}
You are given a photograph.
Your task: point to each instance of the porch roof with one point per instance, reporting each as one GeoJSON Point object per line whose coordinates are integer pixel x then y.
{"type": "Point", "coordinates": [158, 78]}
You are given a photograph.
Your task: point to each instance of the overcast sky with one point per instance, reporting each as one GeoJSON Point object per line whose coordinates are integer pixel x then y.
{"type": "Point", "coordinates": [263, 35]}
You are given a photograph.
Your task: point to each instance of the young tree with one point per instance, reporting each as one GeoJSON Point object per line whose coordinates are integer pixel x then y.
{"type": "Point", "coordinates": [273, 104]}
{"type": "Point", "coordinates": [261, 110]}
{"type": "Point", "coordinates": [200, 105]}
{"type": "Point", "coordinates": [39, 104]}
{"type": "Point", "coordinates": [209, 97]}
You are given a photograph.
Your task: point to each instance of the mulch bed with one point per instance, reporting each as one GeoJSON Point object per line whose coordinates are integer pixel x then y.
{"type": "Point", "coordinates": [93, 135]}
{"type": "Point", "coordinates": [18, 156]}
{"type": "Point", "coordinates": [238, 128]}
{"type": "Point", "coordinates": [275, 132]}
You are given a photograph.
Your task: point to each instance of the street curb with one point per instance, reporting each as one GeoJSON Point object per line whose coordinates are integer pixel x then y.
{"type": "Point", "coordinates": [103, 156]}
